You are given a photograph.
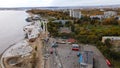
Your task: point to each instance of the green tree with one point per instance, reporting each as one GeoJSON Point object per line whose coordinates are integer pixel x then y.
{"type": "Point", "coordinates": [108, 43]}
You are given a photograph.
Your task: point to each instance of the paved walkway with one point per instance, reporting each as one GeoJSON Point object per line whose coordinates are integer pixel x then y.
{"type": "Point", "coordinates": [99, 58]}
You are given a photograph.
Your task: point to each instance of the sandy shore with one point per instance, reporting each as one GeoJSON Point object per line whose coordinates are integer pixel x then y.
{"type": "Point", "coordinates": [39, 53]}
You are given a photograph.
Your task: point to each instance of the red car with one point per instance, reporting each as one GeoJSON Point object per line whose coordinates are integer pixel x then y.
{"type": "Point", "coordinates": [75, 47]}
{"type": "Point", "coordinates": [108, 63]}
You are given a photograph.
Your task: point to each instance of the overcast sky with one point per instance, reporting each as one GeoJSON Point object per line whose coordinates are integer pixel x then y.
{"type": "Point", "coordinates": [47, 3]}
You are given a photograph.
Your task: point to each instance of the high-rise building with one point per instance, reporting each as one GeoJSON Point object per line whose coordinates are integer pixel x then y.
{"type": "Point", "coordinates": [75, 13]}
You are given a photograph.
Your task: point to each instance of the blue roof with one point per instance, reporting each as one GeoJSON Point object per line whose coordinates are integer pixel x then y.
{"type": "Point", "coordinates": [86, 57]}
{"type": "Point", "coordinates": [80, 59]}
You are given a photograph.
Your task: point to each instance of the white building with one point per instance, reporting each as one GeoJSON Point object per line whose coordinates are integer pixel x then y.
{"type": "Point", "coordinates": [101, 10]}
{"type": "Point", "coordinates": [75, 13]}
{"type": "Point", "coordinates": [31, 31]}
{"type": "Point", "coordinates": [112, 38]}
{"type": "Point", "coordinates": [34, 34]}
{"type": "Point", "coordinates": [36, 17]}
{"type": "Point", "coordinates": [109, 14]}
{"type": "Point", "coordinates": [99, 17]}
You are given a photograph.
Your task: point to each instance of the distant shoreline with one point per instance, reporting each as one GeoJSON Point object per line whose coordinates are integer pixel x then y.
{"type": "Point", "coordinates": [60, 7]}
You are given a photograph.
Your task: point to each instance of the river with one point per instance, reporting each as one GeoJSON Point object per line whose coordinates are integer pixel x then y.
{"type": "Point", "coordinates": [11, 27]}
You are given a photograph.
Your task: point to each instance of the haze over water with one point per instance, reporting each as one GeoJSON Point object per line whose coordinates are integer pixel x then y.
{"type": "Point", "coordinates": [11, 28]}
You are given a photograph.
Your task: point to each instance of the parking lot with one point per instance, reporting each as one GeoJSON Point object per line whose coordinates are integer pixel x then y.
{"type": "Point", "coordinates": [68, 57]}
{"type": "Point", "coordinates": [65, 58]}
{"type": "Point", "coordinates": [99, 61]}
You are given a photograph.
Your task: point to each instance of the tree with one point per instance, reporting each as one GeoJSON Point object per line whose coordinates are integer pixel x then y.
{"type": "Point", "coordinates": [68, 24]}
{"type": "Point", "coordinates": [72, 28]}
{"type": "Point", "coordinates": [93, 22]}
{"type": "Point", "coordinates": [110, 21]}
{"type": "Point", "coordinates": [108, 43]}
{"type": "Point", "coordinates": [92, 38]}
{"type": "Point", "coordinates": [85, 18]}
{"type": "Point", "coordinates": [99, 43]}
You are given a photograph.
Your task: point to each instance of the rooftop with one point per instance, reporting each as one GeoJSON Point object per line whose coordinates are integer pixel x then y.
{"type": "Point", "coordinates": [65, 30]}
{"type": "Point", "coordinates": [86, 58]}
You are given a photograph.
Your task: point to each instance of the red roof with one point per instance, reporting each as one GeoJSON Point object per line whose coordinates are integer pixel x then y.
{"type": "Point", "coordinates": [65, 30]}
{"type": "Point", "coordinates": [71, 40]}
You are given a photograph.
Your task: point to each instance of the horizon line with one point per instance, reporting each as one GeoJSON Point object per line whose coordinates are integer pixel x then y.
{"type": "Point", "coordinates": [61, 6]}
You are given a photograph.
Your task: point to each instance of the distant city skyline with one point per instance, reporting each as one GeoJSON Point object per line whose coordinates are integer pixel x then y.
{"type": "Point", "coordinates": [49, 3]}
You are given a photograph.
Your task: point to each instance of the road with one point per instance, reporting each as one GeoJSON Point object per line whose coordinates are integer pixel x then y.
{"type": "Point", "coordinates": [53, 59]}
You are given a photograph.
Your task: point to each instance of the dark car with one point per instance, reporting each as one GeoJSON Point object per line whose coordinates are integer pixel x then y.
{"type": "Point", "coordinates": [54, 45]}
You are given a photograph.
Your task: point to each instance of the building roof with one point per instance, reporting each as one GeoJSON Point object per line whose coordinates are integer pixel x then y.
{"type": "Point", "coordinates": [29, 27]}
{"type": "Point", "coordinates": [62, 21]}
{"type": "Point", "coordinates": [71, 40]}
{"type": "Point", "coordinates": [86, 57]}
{"type": "Point", "coordinates": [110, 11]}
{"type": "Point", "coordinates": [96, 16]}
{"type": "Point", "coordinates": [65, 30]}
{"type": "Point", "coordinates": [111, 37]}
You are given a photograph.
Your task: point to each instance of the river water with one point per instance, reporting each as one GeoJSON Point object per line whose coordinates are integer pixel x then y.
{"type": "Point", "coordinates": [11, 27]}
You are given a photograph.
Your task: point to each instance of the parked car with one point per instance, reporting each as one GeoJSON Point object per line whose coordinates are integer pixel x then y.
{"type": "Point", "coordinates": [75, 47]}
{"type": "Point", "coordinates": [108, 63]}
{"type": "Point", "coordinates": [78, 54]}
{"type": "Point", "coordinates": [54, 44]}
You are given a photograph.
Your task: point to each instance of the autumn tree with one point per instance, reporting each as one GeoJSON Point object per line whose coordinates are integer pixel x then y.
{"type": "Point", "coordinates": [110, 21]}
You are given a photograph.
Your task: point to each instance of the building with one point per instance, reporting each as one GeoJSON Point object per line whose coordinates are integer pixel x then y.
{"type": "Point", "coordinates": [36, 17]}
{"type": "Point", "coordinates": [112, 38]}
{"type": "Point", "coordinates": [65, 30]}
{"type": "Point", "coordinates": [61, 21]}
{"type": "Point", "coordinates": [117, 17]}
{"type": "Point", "coordinates": [29, 19]}
{"type": "Point", "coordinates": [86, 59]}
{"type": "Point", "coordinates": [32, 32]}
{"type": "Point", "coordinates": [71, 40]}
{"type": "Point", "coordinates": [75, 13]}
{"type": "Point", "coordinates": [101, 10]}
{"type": "Point", "coordinates": [96, 17]}
{"type": "Point", "coordinates": [109, 14]}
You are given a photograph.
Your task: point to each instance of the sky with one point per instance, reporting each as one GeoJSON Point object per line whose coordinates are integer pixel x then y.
{"type": "Point", "coordinates": [47, 3]}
